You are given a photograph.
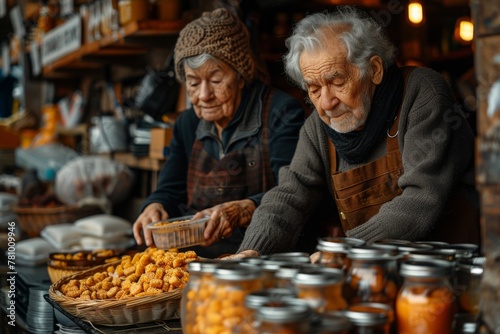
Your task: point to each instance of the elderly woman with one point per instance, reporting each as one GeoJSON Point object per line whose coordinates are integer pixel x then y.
{"type": "Point", "coordinates": [228, 147]}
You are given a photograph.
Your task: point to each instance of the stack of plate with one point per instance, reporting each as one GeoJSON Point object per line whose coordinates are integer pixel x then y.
{"type": "Point", "coordinates": [40, 315]}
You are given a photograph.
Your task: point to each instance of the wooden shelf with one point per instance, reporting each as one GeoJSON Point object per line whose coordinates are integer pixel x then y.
{"type": "Point", "coordinates": [124, 42]}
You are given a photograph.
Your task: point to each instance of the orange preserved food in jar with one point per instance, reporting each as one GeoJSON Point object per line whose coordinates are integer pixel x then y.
{"type": "Point", "coordinates": [286, 317]}
{"type": "Point", "coordinates": [226, 311]}
{"type": "Point", "coordinates": [321, 288]}
{"type": "Point", "coordinates": [196, 294]}
{"type": "Point", "coordinates": [425, 303]}
{"type": "Point", "coordinates": [333, 251]}
{"type": "Point", "coordinates": [372, 276]}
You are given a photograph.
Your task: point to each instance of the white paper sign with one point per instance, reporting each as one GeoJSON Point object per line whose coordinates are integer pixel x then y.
{"type": "Point", "coordinates": [36, 66]}
{"type": "Point", "coordinates": [5, 60]}
{"type": "Point", "coordinates": [66, 7]}
{"type": "Point", "coordinates": [62, 40]}
{"type": "Point", "coordinates": [3, 8]}
{"type": "Point", "coordinates": [16, 17]}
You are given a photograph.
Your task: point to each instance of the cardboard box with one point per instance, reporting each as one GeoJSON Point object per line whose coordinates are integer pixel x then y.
{"type": "Point", "coordinates": [160, 141]}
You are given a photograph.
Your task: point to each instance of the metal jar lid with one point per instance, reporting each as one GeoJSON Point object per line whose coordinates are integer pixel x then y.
{"type": "Point", "coordinates": [291, 310]}
{"type": "Point", "coordinates": [320, 276]}
{"type": "Point", "coordinates": [426, 268]}
{"type": "Point", "coordinates": [437, 253]}
{"type": "Point", "coordinates": [365, 315]}
{"type": "Point", "coordinates": [330, 322]}
{"type": "Point", "coordinates": [367, 252]}
{"type": "Point", "coordinates": [291, 257]}
{"type": "Point", "coordinates": [203, 266]}
{"type": "Point", "coordinates": [338, 244]}
{"type": "Point", "coordinates": [275, 295]}
{"type": "Point", "coordinates": [464, 250]}
{"type": "Point", "coordinates": [402, 246]}
{"type": "Point", "coordinates": [473, 266]}
{"type": "Point", "coordinates": [237, 272]}
{"type": "Point", "coordinates": [288, 271]}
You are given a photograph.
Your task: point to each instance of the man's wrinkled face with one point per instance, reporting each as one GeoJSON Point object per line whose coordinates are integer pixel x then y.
{"type": "Point", "coordinates": [335, 87]}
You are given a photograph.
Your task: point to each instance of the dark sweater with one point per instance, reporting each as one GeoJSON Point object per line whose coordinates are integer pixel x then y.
{"type": "Point", "coordinates": [437, 147]}
{"type": "Point", "coordinates": [286, 117]}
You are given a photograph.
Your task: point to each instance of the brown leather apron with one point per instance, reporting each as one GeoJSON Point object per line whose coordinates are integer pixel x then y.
{"type": "Point", "coordinates": [359, 193]}
{"type": "Point", "coordinates": [238, 175]}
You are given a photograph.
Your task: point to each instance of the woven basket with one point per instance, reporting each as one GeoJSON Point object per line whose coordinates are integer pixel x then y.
{"type": "Point", "coordinates": [33, 220]}
{"type": "Point", "coordinates": [117, 312]}
{"type": "Point", "coordinates": [56, 273]}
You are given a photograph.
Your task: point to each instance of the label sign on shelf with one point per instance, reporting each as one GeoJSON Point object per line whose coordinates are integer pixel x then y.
{"type": "Point", "coordinates": [62, 40]}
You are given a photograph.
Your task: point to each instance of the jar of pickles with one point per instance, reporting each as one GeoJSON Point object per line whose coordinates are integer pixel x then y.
{"type": "Point", "coordinates": [372, 276]}
{"type": "Point", "coordinates": [226, 311]}
{"type": "Point", "coordinates": [333, 251]}
{"type": "Point", "coordinates": [425, 302]}
{"type": "Point", "coordinates": [195, 296]}
{"type": "Point", "coordinates": [286, 317]}
{"type": "Point", "coordinates": [321, 288]}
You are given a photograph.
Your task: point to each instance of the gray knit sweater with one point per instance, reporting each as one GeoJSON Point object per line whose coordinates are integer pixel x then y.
{"type": "Point", "coordinates": [437, 147]}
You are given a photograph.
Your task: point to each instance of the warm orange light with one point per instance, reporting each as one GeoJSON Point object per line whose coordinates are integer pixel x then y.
{"type": "Point", "coordinates": [464, 30]}
{"type": "Point", "coordinates": [415, 12]}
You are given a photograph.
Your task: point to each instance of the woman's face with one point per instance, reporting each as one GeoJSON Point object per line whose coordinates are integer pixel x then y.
{"type": "Point", "coordinates": [335, 87]}
{"type": "Point", "coordinates": [215, 90]}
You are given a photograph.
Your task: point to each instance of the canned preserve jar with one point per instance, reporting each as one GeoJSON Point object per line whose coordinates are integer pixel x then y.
{"type": "Point", "coordinates": [372, 276]}
{"type": "Point", "coordinates": [226, 311]}
{"type": "Point", "coordinates": [321, 288]}
{"type": "Point", "coordinates": [287, 317]}
{"type": "Point", "coordinates": [425, 302]}
{"type": "Point", "coordinates": [468, 276]}
{"type": "Point", "coordinates": [333, 251]}
{"type": "Point", "coordinates": [368, 320]}
{"type": "Point", "coordinates": [195, 296]}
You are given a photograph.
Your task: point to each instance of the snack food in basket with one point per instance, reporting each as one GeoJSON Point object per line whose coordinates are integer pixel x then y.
{"type": "Point", "coordinates": [178, 232]}
{"type": "Point", "coordinates": [144, 287]}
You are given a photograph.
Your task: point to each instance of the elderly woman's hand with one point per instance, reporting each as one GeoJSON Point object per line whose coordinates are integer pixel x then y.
{"type": "Point", "coordinates": [152, 213]}
{"type": "Point", "coordinates": [225, 218]}
{"type": "Point", "coordinates": [242, 255]}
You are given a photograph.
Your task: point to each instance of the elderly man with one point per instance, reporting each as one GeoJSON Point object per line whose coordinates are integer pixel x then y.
{"type": "Point", "coordinates": [387, 153]}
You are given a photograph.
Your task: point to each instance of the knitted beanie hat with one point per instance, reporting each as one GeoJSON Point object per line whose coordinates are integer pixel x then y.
{"type": "Point", "coordinates": [220, 34]}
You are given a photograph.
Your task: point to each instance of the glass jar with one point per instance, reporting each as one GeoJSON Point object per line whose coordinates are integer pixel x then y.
{"type": "Point", "coordinates": [464, 251]}
{"type": "Point", "coordinates": [368, 319]}
{"type": "Point", "coordinates": [321, 288]}
{"type": "Point", "coordinates": [226, 311]}
{"type": "Point", "coordinates": [333, 251]}
{"type": "Point", "coordinates": [331, 323]}
{"type": "Point", "coordinates": [372, 276]}
{"type": "Point", "coordinates": [468, 276]}
{"type": "Point", "coordinates": [291, 257]}
{"type": "Point", "coordinates": [287, 317]}
{"type": "Point", "coordinates": [286, 273]}
{"type": "Point", "coordinates": [425, 302]}
{"type": "Point", "coordinates": [254, 300]}
{"type": "Point", "coordinates": [196, 294]}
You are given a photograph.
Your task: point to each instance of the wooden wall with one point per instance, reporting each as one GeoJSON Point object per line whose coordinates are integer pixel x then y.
{"type": "Point", "coordinates": [486, 16]}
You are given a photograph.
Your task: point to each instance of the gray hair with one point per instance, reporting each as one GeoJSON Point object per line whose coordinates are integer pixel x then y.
{"type": "Point", "coordinates": [362, 36]}
{"type": "Point", "coordinates": [193, 62]}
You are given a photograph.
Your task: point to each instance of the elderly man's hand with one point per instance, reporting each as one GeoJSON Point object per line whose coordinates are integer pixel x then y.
{"type": "Point", "coordinates": [225, 218]}
{"type": "Point", "coordinates": [242, 255]}
{"type": "Point", "coordinates": [152, 213]}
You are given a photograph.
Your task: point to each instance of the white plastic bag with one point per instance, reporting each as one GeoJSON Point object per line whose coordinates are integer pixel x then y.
{"type": "Point", "coordinates": [92, 177]}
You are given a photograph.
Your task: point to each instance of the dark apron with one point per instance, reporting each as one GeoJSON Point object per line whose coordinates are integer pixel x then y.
{"type": "Point", "coordinates": [238, 175]}
{"type": "Point", "coordinates": [359, 193]}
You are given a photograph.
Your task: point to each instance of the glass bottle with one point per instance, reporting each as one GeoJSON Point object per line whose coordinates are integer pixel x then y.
{"type": "Point", "coordinates": [321, 288]}
{"type": "Point", "coordinates": [467, 282]}
{"type": "Point", "coordinates": [372, 276]}
{"type": "Point", "coordinates": [425, 302]}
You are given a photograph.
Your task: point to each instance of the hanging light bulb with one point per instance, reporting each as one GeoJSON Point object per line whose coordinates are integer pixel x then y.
{"type": "Point", "coordinates": [464, 30]}
{"type": "Point", "coordinates": [415, 12]}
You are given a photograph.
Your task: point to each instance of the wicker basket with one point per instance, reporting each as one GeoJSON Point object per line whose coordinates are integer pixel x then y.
{"type": "Point", "coordinates": [56, 273]}
{"type": "Point", "coordinates": [33, 220]}
{"type": "Point", "coordinates": [117, 312]}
